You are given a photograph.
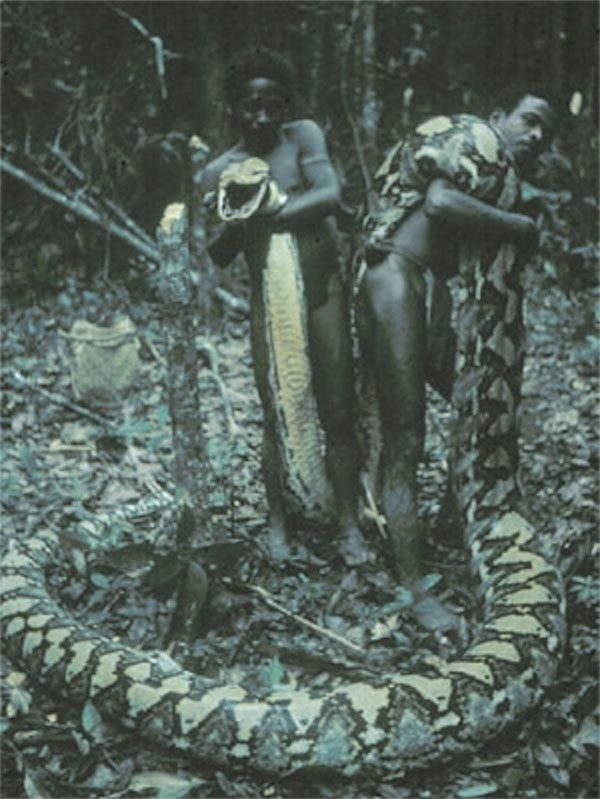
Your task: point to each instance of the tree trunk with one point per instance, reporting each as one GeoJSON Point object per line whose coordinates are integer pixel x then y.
{"type": "Point", "coordinates": [183, 321]}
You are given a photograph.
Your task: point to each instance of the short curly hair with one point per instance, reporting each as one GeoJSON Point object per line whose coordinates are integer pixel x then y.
{"type": "Point", "coordinates": [259, 62]}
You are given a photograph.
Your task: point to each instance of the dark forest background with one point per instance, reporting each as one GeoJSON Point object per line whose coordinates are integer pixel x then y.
{"type": "Point", "coordinates": [99, 100]}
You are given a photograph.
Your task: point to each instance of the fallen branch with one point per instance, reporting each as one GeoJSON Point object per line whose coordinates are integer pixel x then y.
{"type": "Point", "coordinates": [81, 209]}
{"type": "Point", "coordinates": [147, 480]}
{"type": "Point", "coordinates": [64, 159]}
{"type": "Point", "coordinates": [58, 399]}
{"type": "Point", "coordinates": [136, 238]}
{"type": "Point", "coordinates": [88, 534]}
{"type": "Point", "coordinates": [270, 600]}
{"type": "Point", "coordinates": [235, 303]}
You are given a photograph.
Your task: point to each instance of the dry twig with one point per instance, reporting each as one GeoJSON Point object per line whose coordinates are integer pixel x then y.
{"type": "Point", "coordinates": [235, 303]}
{"type": "Point", "coordinates": [372, 511]}
{"type": "Point", "coordinates": [134, 236]}
{"type": "Point", "coordinates": [270, 600]}
{"type": "Point", "coordinates": [58, 399]}
{"type": "Point", "coordinates": [207, 349]}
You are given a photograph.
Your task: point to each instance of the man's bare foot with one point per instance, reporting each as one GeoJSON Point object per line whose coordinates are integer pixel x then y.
{"type": "Point", "coordinates": [354, 548]}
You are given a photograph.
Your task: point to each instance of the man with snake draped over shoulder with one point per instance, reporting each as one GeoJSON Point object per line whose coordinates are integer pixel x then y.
{"type": "Point", "coordinates": [259, 88]}
{"type": "Point", "coordinates": [439, 190]}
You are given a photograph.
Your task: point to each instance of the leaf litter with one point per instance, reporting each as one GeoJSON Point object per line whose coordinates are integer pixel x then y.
{"type": "Point", "coordinates": [62, 470]}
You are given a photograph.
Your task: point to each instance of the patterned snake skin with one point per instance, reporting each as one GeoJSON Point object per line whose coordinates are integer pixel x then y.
{"type": "Point", "coordinates": [401, 720]}
{"type": "Point", "coordinates": [245, 189]}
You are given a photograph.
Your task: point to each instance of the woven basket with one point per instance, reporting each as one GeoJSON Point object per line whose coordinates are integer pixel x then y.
{"type": "Point", "coordinates": [105, 361]}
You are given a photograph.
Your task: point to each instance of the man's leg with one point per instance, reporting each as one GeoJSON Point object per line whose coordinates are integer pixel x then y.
{"type": "Point", "coordinates": [395, 293]}
{"type": "Point", "coordinates": [331, 358]}
{"type": "Point", "coordinates": [441, 357]}
{"type": "Point", "coordinates": [278, 540]}
{"type": "Point", "coordinates": [441, 340]}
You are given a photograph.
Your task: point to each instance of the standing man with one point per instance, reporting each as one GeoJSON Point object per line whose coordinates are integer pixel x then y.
{"type": "Point", "coordinates": [439, 189]}
{"type": "Point", "coordinates": [259, 90]}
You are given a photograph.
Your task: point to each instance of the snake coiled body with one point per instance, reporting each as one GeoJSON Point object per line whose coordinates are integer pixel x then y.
{"type": "Point", "coordinates": [401, 720]}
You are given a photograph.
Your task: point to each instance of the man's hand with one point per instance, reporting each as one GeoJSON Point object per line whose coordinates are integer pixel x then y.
{"type": "Point", "coordinates": [529, 235]}
{"type": "Point", "coordinates": [445, 202]}
{"type": "Point", "coordinates": [273, 202]}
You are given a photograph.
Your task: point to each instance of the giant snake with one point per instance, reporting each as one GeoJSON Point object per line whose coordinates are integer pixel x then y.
{"type": "Point", "coordinates": [400, 720]}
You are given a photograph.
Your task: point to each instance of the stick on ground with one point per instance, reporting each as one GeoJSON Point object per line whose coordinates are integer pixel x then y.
{"type": "Point", "coordinates": [270, 600]}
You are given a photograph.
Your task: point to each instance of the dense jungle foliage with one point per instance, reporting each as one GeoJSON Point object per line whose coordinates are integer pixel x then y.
{"type": "Point", "coordinates": [99, 102]}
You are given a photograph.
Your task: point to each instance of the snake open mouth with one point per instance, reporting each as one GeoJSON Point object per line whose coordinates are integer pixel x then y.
{"type": "Point", "coordinates": [243, 189]}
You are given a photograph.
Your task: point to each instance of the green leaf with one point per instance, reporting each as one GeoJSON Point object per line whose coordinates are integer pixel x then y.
{"type": "Point", "coordinates": [92, 723]}
{"type": "Point", "coordinates": [546, 756]}
{"type": "Point", "coordinates": [433, 615]}
{"type": "Point", "coordinates": [404, 599]}
{"type": "Point", "coordinates": [34, 784]}
{"type": "Point", "coordinates": [79, 561]}
{"type": "Point", "coordinates": [401, 640]}
{"type": "Point", "coordinates": [29, 462]}
{"type": "Point", "coordinates": [134, 427]}
{"type": "Point", "coordinates": [99, 580]}
{"type": "Point", "coordinates": [550, 269]}
{"type": "Point", "coordinates": [156, 441]}
{"type": "Point", "coordinates": [586, 589]}
{"type": "Point", "coordinates": [102, 779]}
{"type": "Point", "coordinates": [218, 499]}
{"type": "Point", "coordinates": [530, 192]}
{"type": "Point", "coordinates": [163, 414]}
{"type": "Point", "coordinates": [19, 702]}
{"type": "Point", "coordinates": [163, 784]}
{"type": "Point", "coordinates": [429, 581]}
{"type": "Point", "coordinates": [588, 735]}
{"type": "Point", "coordinates": [477, 789]}
{"type": "Point", "coordinates": [560, 776]}
{"type": "Point", "coordinates": [272, 674]}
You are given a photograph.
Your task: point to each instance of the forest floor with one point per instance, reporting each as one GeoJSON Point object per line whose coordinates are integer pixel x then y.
{"type": "Point", "coordinates": [61, 469]}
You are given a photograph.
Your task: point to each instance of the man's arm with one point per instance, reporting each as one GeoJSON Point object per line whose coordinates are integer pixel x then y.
{"type": "Point", "coordinates": [445, 202]}
{"type": "Point", "coordinates": [225, 243]}
{"type": "Point", "coordinates": [323, 194]}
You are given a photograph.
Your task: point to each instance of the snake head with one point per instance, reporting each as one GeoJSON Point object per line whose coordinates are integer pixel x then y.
{"type": "Point", "coordinates": [245, 188]}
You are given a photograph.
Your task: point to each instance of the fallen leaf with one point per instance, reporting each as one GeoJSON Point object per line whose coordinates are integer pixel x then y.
{"type": "Point", "coordinates": [546, 756]}
{"type": "Point", "coordinates": [164, 785]}
{"type": "Point", "coordinates": [477, 789]}
{"type": "Point", "coordinates": [385, 627]}
{"type": "Point", "coordinates": [588, 735]}
{"type": "Point", "coordinates": [92, 722]}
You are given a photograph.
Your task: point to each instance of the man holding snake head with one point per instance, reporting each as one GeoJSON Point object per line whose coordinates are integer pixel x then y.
{"type": "Point", "coordinates": [304, 201]}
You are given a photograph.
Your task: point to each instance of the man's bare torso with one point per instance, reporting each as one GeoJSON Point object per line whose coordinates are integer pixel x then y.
{"type": "Point", "coordinates": [316, 238]}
